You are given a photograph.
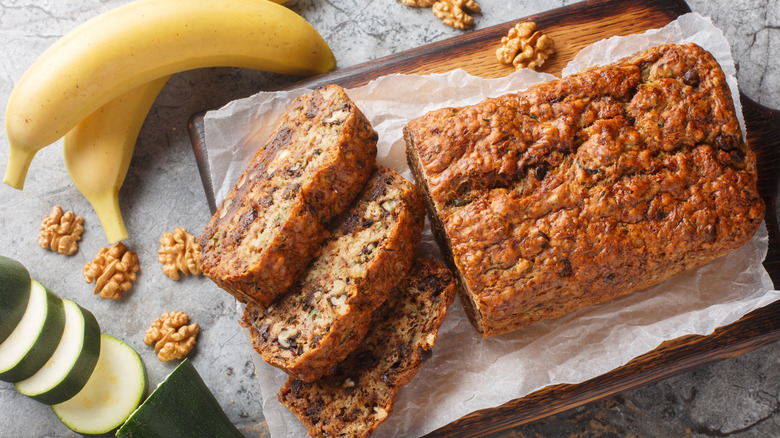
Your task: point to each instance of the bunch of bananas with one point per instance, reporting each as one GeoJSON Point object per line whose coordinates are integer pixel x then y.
{"type": "Point", "coordinates": [95, 86]}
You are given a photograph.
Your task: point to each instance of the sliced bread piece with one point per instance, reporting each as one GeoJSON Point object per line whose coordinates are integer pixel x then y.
{"type": "Point", "coordinates": [274, 220]}
{"type": "Point", "coordinates": [325, 315]}
{"type": "Point", "coordinates": [361, 392]}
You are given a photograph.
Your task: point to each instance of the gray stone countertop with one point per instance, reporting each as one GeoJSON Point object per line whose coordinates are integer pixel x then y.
{"type": "Point", "coordinates": [735, 397]}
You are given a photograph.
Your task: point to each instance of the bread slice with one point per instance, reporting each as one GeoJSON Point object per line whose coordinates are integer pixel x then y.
{"type": "Point", "coordinates": [325, 315]}
{"type": "Point", "coordinates": [361, 392]}
{"type": "Point", "coordinates": [274, 220]}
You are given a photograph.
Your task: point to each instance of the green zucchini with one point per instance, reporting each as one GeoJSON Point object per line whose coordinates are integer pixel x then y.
{"type": "Point", "coordinates": [70, 366]}
{"type": "Point", "coordinates": [113, 392]}
{"type": "Point", "coordinates": [35, 338]}
{"type": "Point", "coordinates": [14, 295]}
{"type": "Point", "coordinates": [181, 406]}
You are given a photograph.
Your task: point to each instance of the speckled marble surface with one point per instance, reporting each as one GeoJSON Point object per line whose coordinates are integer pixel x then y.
{"type": "Point", "coordinates": [736, 397]}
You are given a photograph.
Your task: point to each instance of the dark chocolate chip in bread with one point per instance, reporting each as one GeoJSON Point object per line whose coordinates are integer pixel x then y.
{"type": "Point", "coordinates": [326, 313]}
{"type": "Point", "coordinates": [274, 220]}
{"type": "Point", "coordinates": [361, 391]}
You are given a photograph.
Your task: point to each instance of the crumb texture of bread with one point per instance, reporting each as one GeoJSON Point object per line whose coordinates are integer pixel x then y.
{"type": "Point", "coordinates": [360, 393]}
{"type": "Point", "coordinates": [325, 314]}
{"type": "Point", "coordinates": [275, 218]}
{"type": "Point", "coordinates": [579, 190]}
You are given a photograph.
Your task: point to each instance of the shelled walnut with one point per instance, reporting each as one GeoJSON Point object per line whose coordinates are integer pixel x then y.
{"type": "Point", "coordinates": [525, 47]}
{"type": "Point", "coordinates": [179, 252]}
{"type": "Point", "coordinates": [419, 3]}
{"type": "Point", "coordinates": [60, 232]}
{"type": "Point", "coordinates": [172, 337]}
{"type": "Point", "coordinates": [113, 271]}
{"type": "Point", "coordinates": [453, 12]}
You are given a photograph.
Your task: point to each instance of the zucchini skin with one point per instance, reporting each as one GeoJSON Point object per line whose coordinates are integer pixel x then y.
{"type": "Point", "coordinates": [181, 406]}
{"type": "Point", "coordinates": [77, 378]}
{"type": "Point", "coordinates": [44, 346]}
{"type": "Point", "coordinates": [15, 285]}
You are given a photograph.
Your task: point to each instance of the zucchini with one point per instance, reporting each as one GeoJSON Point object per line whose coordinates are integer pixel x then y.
{"type": "Point", "coordinates": [116, 387]}
{"type": "Point", "coordinates": [181, 406]}
{"type": "Point", "coordinates": [68, 369]}
{"type": "Point", "coordinates": [35, 338]}
{"type": "Point", "coordinates": [14, 295]}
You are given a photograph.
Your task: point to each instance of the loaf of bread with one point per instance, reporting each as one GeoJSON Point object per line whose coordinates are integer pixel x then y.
{"type": "Point", "coordinates": [324, 315]}
{"type": "Point", "coordinates": [579, 190]}
{"type": "Point", "coordinates": [360, 393]}
{"type": "Point", "coordinates": [275, 219]}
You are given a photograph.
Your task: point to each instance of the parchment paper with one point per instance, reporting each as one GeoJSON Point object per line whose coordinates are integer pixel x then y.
{"type": "Point", "coordinates": [467, 372]}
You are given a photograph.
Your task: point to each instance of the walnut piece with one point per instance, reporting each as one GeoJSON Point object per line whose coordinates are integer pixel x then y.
{"type": "Point", "coordinates": [419, 3]}
{"type": "Point", "coordinates": [453, 12]}
{"type": "Point", "coordinates": [61, 232]}
{"type": "Point", "coordinates": [113, 271]}
{"type": "Point", "coordinates": [171, 336]}
{"type": "Point", "coordinates": [525, 47]}
{"type": "Point", "coordinates": [179, 252]}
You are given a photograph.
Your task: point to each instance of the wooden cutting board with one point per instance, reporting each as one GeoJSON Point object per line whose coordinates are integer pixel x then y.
{"type": "Point", "coordinates": [572, 28]}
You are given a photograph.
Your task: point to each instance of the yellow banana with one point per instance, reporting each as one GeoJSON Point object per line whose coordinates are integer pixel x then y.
{"type": "Point", "coordinates": [99, 149]}
{"type": "Point", "coordinates": [144, 40]}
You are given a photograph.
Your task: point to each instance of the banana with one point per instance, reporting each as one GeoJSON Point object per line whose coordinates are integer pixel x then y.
{"type": "Point", "coordinates": [99, 149]}
{"type": "Point", "coordinates": [144, 40]}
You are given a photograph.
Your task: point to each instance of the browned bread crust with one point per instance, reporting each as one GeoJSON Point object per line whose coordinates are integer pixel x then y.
{"type": "Point", "coordinates": [325, 315]}
{"type": "Point", "coordinates": [582, 189]}
{"type": "Point", "coordinates": [274, 220]}
{"type": "Point", "coordinates": [361, 392]}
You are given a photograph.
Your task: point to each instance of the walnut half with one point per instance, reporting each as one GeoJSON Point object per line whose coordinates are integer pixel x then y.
{"type": "Point", "coordinates": [453, 12]}
{"type": "Point", "coordinates": [172, 337]}
{"type": "Point", "coordinates": [179, 252]}
{"type": "Point", "coordinates": [60, 231]}
{"type": "Point", "coordinates": [113, 271]}
{"type": "Point", "coordinates": [525, 47]}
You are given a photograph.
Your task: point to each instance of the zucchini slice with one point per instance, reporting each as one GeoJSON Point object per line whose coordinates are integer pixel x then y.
{"type": "Point", "coordinates": [14, 295]}
{"type": "Point", "coordinates": [181, 406]}
{"type": "Point", "coordinates": [68, 369]}
{"type": "Point", "coordinates": [114, 390]}
{"type": "Point", "coordinates": [36, 336]}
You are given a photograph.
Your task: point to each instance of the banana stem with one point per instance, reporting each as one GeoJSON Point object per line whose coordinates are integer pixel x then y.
{"type": "Point", "coordinates": [19, 160]}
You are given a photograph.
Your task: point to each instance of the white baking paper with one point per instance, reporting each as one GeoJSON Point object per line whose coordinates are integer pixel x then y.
{"type": "Point", "coordinates": [467, 372]}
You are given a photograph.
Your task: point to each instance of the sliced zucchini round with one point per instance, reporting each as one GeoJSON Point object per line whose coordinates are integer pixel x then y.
{"type": "Point", "coordinates": [68, 369]}
{"type": "Point", "coordinates": [181, 406]}
{"type": "Point", "coordinates": [114, 390]}
{"type": "Point", "coordinates": [14, 295]}
{"type": "Point", "coordinates": [35, 338]}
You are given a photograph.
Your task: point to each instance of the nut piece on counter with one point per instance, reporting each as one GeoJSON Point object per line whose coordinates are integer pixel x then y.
{"type": "Point", "coordinates": [60, 232]}
{"type": "Point", "coordinates": [171, 336]}
{"type": "Point", "coordinates": [419, 3]}
{"type": "Point", "coordinates": [525, 47]}
{"type": "Point", "coordinates": [453, 12]}
{"type": "Point", "coordinates": [113, 271]}
{"type": "Point", "coordinates": [179, 252]}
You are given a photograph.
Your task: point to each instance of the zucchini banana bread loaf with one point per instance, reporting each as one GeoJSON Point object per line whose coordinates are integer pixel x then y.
{"type": "Point", "coordinates": [361, 392]}
{"type": "Point", "coordinates": [326, 313]}
{"type": "Point", "coordinates": [582, 189]}
{"type": "Point", "coordinates": [274, 220]}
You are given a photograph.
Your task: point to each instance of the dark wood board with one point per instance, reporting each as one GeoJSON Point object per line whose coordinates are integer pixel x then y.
{"type": "Point", "coordinates": [574, 27]}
